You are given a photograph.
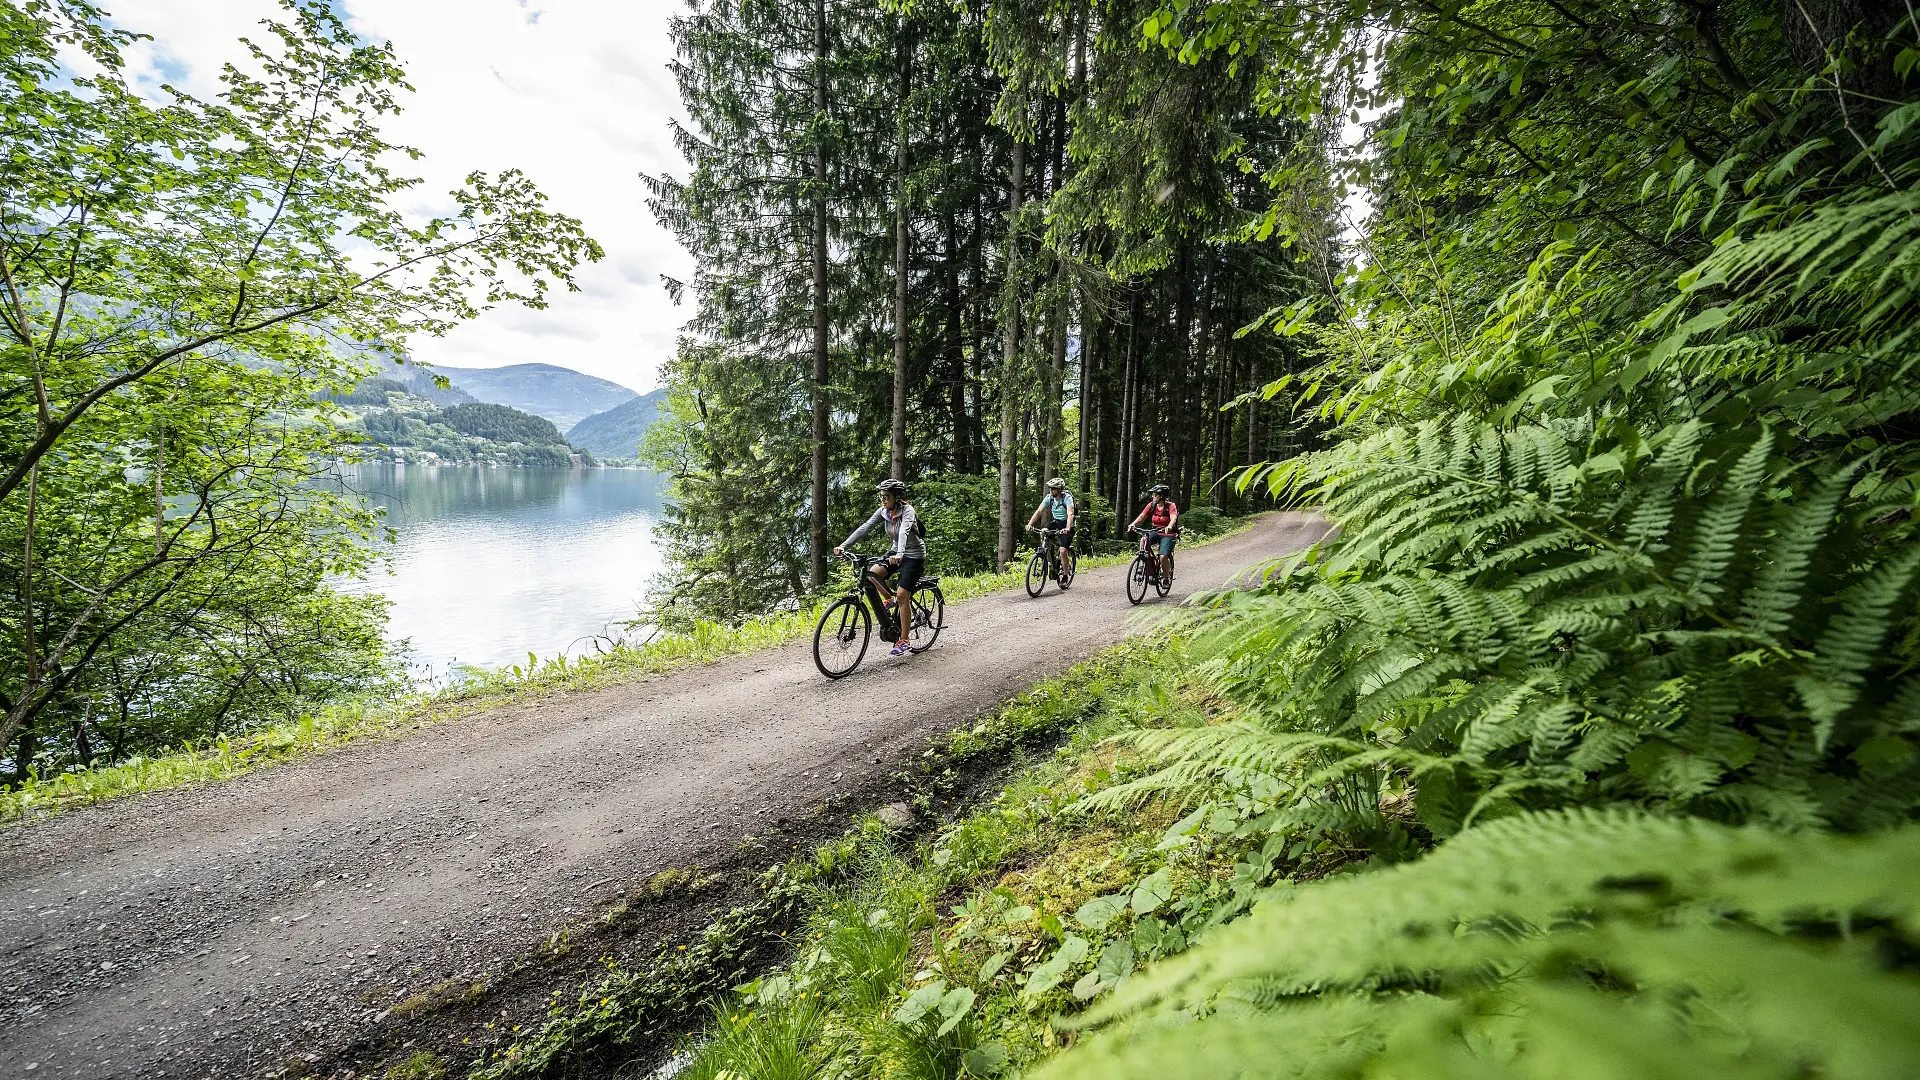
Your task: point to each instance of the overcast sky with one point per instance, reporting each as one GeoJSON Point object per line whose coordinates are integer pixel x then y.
{"type": "Point", "coordinates": [574, 92]}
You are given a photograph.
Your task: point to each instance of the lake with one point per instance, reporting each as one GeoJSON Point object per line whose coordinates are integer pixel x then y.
{"type": "Point", "coordinates": [490, 564]}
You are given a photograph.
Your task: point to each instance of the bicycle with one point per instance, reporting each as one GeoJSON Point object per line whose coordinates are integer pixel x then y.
{"type": "Point", "coordinates": [1047, 563]}
{"type": "Point", "coordinates": [840, 639]}
{"type": "Point", "coordinates": [1149, 567]}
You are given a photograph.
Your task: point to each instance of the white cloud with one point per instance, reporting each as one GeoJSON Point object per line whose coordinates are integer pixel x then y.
{"type": "Point", "coordinates": [576, 95]}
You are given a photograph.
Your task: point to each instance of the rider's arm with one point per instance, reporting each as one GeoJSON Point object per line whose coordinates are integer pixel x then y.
{"type": "Point", "coordinates": [1073, 511]}
{"type": "Point", "coordinates": [1173, 516]}
{"type": "Point", "coordinates": [862, 530]}
{"type": "Point", "coordinates": [1035, 519]}
{"type": "Point", "coordinates": [1140, 517]}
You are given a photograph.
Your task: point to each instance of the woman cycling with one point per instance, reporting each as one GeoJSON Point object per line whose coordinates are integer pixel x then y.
{"type": "Point", "coordinates": [1163, 517]}
{"type": "Point", "coordinates": [1060, 513]}
{"type": "Point", "coordinates": [909, 552]}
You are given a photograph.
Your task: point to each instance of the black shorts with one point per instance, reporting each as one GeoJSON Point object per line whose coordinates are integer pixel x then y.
{"type": "Point", "coordinates": [908, 574]}
{"type": "Point", "coordinates": [1065, 538]}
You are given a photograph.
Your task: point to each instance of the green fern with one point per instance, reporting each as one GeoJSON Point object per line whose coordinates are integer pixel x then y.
{"type": "Point", "coordinates": [1547, 616]}
{"type": "Point", "coordinates": [1566, 944]}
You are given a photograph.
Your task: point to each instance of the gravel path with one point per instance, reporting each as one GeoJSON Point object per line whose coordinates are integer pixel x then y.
{"type": "Point", "coordinates": [244, 928]}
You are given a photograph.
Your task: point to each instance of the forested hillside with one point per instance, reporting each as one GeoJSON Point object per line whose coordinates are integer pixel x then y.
{"type": "Point", "coordinates": [617, 432]}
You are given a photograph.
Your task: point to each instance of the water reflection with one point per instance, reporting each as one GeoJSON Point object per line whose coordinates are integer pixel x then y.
{"type": "Point", "coordinates": [488, 565]}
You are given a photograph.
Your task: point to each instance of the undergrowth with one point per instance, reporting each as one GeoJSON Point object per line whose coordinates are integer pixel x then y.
{"type": "Point", "coordinates": [1199, 934]}
{"type": "Point", "coordinates": [481, 689]}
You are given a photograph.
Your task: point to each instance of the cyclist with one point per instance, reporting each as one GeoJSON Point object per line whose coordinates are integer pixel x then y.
{"type": "Point", "coordinates": [1060, 512]}
{"type": "Point", "coordinates": [908, 556]}
{"type": "Point", "coordinates": [1163, 517]}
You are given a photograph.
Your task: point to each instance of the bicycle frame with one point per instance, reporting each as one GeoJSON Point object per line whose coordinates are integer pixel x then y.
{"type": "Point", "coordinates": [1149, 549]}
{"type": "Point", "coordinates": [869, 589]}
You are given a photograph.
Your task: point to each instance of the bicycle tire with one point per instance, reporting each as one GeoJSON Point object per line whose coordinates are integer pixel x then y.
{"type": "Point", "coordinates": [929, 612]}
{"type": "Point", "coordinates": [1037, 573]}
{"type": "Point", "coordinates": [852, 628]}
{"type": "Point", "coordinates": [1137, 579]}
{"type": "Point", "coordinates": [1165, 584]}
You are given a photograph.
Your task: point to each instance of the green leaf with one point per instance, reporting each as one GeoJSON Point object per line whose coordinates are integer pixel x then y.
{"type": "Point", "coordinates": [1098, 912]}
{"type": "Point", "coordinates": [921, 1002]}
{"type": "Point", "coordinates": [987, 1059]}
{"type": "Point", "coordinates": [1153, 891]}
{"type": "Point", "coordinates": [1047, 975]}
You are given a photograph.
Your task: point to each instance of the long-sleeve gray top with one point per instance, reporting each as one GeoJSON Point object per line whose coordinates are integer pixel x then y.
{"type": "Point", "coordinates": [903, 528]}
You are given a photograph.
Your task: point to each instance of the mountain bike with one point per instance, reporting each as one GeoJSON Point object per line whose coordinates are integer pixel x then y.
{"type": "Point", "coordinates": [840, 640]}
{"type": "Point", "coordinates": [1149, 567]}
{"type": "Point", "coordinates": [1047, 563]}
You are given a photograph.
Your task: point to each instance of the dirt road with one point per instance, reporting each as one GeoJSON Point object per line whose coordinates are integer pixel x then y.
{"type": "Point", "coordinates": [244, 928]}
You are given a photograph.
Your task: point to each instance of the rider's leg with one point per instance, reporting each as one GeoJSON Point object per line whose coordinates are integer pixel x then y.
{"type": "Point", "coordinates": [903, 613]}
{"type": "Point", "coordinates": [876, 587]}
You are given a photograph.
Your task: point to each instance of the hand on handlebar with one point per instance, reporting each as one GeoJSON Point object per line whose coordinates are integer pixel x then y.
{"type": "Point", "coordinates": [839, 551]}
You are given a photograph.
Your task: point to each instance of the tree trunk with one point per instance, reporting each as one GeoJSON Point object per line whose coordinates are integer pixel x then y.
{"type": "Point", "coordinates": [1053, 431]}
{"type": "Point", "coordinates": [159, 488]}
{"type": "Point", "coordinates": [1089, 339]}
{"type": "Point", "coordinates": [1253, 410]}
{"type": "Point", "coordinates": [16, 718]}
{"type": "Point", "coordinates": [1055, 428]}
{"type": "Point", "coordinates": [817, 575]}
{"type": "Point", "coordinates": [1129, 423]}
{"type": "Point", "coordinates": [82, 743]}
{"type": "Point", "coordinates": [1217, 464]}
{"type": "Point", "coordinates": [1009, 356]}
{"type": "Point", "coordinates": [899, 462]}
{"type": "Point", "coordinates": [956, 364]}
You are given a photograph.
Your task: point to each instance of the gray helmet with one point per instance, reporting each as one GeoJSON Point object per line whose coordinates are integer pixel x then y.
{"type": "Point", "coordinates": [1056, 484]}
{"type": "Point", "coordinates": [895, 486]}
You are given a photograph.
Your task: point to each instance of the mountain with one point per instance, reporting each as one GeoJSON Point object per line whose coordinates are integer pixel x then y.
{"type": "Point", "coordinates": [373, 389]}
{"type": "Point", "coordinates": [562, 395]}
{"type": "Point", "coordinates": [416, 431]}
{"type": "Point", "coordinates": [616, 432]}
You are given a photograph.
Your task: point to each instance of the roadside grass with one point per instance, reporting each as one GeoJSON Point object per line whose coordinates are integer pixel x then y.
{"type": "Point", "coordinates": [637, 1008]}
{"type": "Point", "coordinates": [226, 757]}
{"type": "Point", "coordinates": [953, 955]}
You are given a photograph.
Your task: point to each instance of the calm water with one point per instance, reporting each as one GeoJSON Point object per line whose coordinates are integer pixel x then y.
{"type": "Point", "coordinates": [491, 564]}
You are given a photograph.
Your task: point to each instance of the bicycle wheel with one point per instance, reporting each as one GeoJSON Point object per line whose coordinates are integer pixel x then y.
{"type": "Point", "coordinates": [841, 638]}
{"type": "Point", "coordinates": [1165, 584]}
{"type": "Point", "coordinates": [1037, 573]}
{"type": "Point", "coordinates": [929, 612]}
{"type": "Point", "coordinates": [1137, 579]}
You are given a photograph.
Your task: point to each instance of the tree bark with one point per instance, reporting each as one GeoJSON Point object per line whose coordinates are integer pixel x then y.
{"type": "Point", "coordinates": [899, 461]}
{"type": "Point", "coordinates": [817, 575]}
{"type": "Point", "coordinates": [1216, 431]}
{"type": "Point", "coordinates": [1089, 342]}
{"type": "Point", "coordinates": [1009, 357]}
{"type": "Point", "coordinates": [1129, 423]}
{"type": "Point", "coordinates": [954, 347]}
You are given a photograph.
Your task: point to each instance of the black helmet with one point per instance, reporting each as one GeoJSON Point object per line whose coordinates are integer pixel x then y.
{"type": "Point", "coordinates": [895, 486]}
{"type": "Point", "coordinates": [1159, 489]}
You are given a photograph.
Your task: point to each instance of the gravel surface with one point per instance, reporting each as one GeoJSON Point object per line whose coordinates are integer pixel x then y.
{"type": "Point", "coordinates": [260, 925]}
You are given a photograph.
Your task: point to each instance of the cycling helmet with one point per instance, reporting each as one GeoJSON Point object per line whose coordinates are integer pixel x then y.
{"type": "Point", "coordinates": [891, 485]}
{"type": "Point", "coordinates": [1159, 489]}
{"type": "Point", "coordinates": [1056, 484]}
